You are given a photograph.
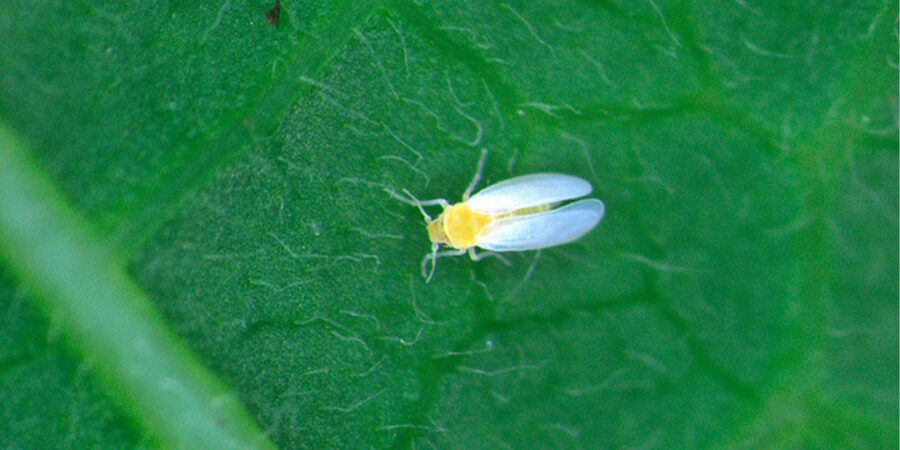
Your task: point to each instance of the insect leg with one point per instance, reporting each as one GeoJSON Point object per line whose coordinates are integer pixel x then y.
{"type": "Point", "coordinates": [433, 256]}
{"type": "Point", "coordinates": [482, 255]}
{"type": "Point", "coordinates": [477, 176]}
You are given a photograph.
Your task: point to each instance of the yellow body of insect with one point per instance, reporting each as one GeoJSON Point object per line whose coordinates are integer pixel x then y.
{"type": "Point", "coordinates": [458, 226]}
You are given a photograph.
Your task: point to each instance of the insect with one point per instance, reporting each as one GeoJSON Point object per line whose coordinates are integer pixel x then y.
{"type": "Point", "coordinates": [513, 215]}
{"type": "Point", "coordinates": [274, 14]}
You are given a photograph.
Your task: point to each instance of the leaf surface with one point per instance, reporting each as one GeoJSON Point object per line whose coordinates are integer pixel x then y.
{"type": "Point", "coordinates": [741, 290]}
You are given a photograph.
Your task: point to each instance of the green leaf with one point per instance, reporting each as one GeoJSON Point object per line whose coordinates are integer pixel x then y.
{"type": "Point", "coordinates": [213, 185]}
{"type": "Point", "coordinates": [104, 316]}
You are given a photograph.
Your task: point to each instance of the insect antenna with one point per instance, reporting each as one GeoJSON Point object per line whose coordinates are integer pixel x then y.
{"type": "Point", "coordinates": [412, 200]}
{"type": "Point", "coordinates": [418, 205]}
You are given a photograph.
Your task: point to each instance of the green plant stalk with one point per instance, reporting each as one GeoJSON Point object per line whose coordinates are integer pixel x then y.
{"type": "Point", "coordinates": [85, 289]}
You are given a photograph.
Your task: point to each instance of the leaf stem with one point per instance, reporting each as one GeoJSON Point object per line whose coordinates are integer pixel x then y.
{"type": "Point", "coordinates": [107, 318]}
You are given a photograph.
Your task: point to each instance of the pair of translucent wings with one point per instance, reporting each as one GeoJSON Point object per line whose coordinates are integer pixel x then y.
{"type": "Point", "coordinates": [538, 230]}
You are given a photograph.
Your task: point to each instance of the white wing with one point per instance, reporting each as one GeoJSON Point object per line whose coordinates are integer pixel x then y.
{"type": "Point", "coordinates": [527, 191]}
{"type": "Point", "coordinates": [546, 229]}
